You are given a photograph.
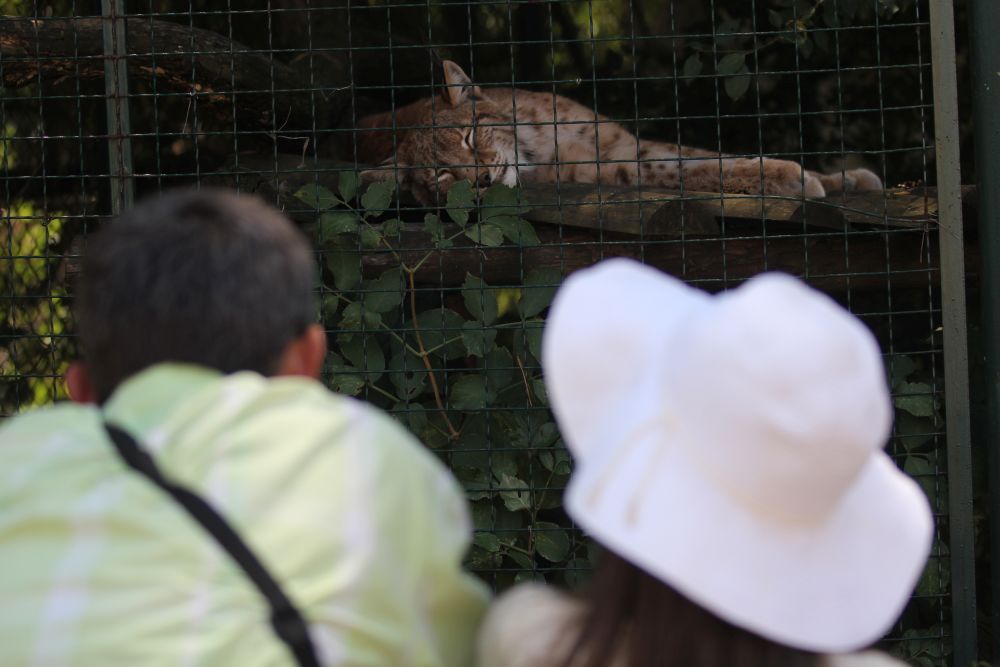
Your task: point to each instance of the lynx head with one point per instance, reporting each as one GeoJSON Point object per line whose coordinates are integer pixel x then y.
{"type": "Point", "coordinates": [460, 135]}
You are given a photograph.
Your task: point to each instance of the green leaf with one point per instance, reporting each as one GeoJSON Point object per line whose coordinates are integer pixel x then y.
{"type": "Point", "coordinates": [503, 463]}
{"type": "Point", "coordinates": [370, 238]}
{"type": "Point", "coordinates": [499, 365]}
{"type": "Point", "coordinates": [551, 541]}
{"type": "Point", "coordinates": [346, 268]}
{"type": "Point", "coordinates": [485, 234]}
{"type": "Point", "coordinates": [391, 227]}
{"type": "Point", "coordinates": [934, 487]}
{"type": "Point", "coordinates": [541, 393]}
{"type": "Point", "coordinates": [349, 384]}
{"type": "Point", "coordinates": [328, 308]}
{"type": "Point", "coordinates": [517, 230]}
{"type": "Point", "coordinates": [317, 196]}
{"type": "Point", "coordinates": [482, 515]}
{"type": "Point", "coordinates": [556, 461]}
{"type": "Point", "coordinates": [528, 341]}
{"type": "Point", "coordinates": [544, 436]}
{"type": "Point", "coordinates": [487, 541]}
{"type": "Point", "coordinates": [737, 86]}
{"type": "Point", "coordinates": [475, 481]}
{"type": "Point", "coordinates": [408, 375]}
{"type": "Point", "coordinates": [435, 228]}
{"type": "Point", "coordinates": [692, 67]}
{"type": "Point", "coordinates": [412, 415]}
{"type": "Point", "coordinates": [480, 299]}
{"type": "Point", "coordinates": [514, 493]}
{"type": "Point", "coordinates": [916, 398]}
{"type": "Point", "coordinates": [376, 198]}
{"type": "Point", "coordinates": [356, 316]}
{"type": "Point", "coordinates": [365, 354]}
{"type": "Point", "coordinates": [441, 331]}
{"type": "Point", "coordinates": [478, 340]}
{"type": "Point", "coordinates": [472, 449]}
{"type": "Point", "coordinates": [337, 222]}
{"type": "Point", "coordinates": [539, 287]}
{"type": "Point", "coordinates": [470, 393]}
{"type": "Point", "coordinates": [576, 572]}
{"type": "Point", "coordinates": [523, 560]}
{"type": "Point", "coordinates": [479, 559]}
{"type": "Point", "coordinates": [914, 432]}
{"type": "Point", "coordinates": [900, 368]}
{"type": "Point", "coordinates": [384, 293]}
{"type": "Point", "coordinates": [460, 201]}
{"type": "Point", "coordinates": [501, 200]}
{"type": "Point", "coordinates": [732, 63]}
{"type": "Point", "coordinates": [348, 185]}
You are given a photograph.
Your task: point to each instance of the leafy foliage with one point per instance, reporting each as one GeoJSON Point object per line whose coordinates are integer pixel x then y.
{"type": "Point", "coordinates": [458, 367]}
{"type": "Point", "coordinates": [33, 346]}
{"type": "Point", "coordinates": [804, 24]}
{"type": "Point", "coordinates": [919, 450]}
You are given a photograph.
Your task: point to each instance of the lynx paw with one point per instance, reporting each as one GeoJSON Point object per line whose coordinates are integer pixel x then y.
{"type": "Point", "coordinates": [862, 180]}
{"type": "Point", "coordinates": [813, 188]}
{"type": "Point", "coordinates": [780, 177]}
{"type": "Point", "coordinates": [852, 180]}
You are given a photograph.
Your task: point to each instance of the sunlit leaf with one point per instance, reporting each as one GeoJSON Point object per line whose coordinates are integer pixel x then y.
{"type": "Point", "coordinates": [317, 196]}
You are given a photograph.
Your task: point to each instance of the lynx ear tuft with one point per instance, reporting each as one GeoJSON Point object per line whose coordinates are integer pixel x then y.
{"type": "Point", "coordinates": [388, 170]}
{"type": "Point", "coordinates": [458, 85]}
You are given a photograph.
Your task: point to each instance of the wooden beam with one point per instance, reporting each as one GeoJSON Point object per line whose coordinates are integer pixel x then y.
{"type": "Point", "coordinates": [856, 241]}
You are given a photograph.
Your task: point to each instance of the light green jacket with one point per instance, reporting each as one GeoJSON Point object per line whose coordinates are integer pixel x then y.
{"type": "Point", "coordinates": [363, 527]}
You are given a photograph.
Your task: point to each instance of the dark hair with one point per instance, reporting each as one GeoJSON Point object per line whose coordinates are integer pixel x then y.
{"type": "Point", "coordinates": [634, 619]}
{"type": "Point", "coordinates": [201, 276]}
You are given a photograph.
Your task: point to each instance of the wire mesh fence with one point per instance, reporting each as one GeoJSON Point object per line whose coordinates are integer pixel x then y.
{"type": "Point", "coordinates": [454, 161]}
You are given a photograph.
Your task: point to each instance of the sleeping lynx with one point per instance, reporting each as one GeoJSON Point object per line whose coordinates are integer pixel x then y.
{"type": "Point", "coordinates": [510, 136]}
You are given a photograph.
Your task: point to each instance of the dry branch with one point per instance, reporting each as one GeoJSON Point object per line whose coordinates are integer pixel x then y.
{"type": "Point", "coordinates": [220, 75]}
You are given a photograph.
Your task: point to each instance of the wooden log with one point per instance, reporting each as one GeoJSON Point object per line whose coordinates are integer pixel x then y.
{"type": "Point", "coordinates": [628, 209]}
{"type": "Point", "coordinates": [830, 261]}
{"type": "Point", "coordinates": [224, 77]}
{"type": "Point", "coordinates": [849, 241]}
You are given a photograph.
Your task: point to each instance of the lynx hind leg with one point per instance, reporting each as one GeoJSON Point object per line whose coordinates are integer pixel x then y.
{"type": "Point", "coordinates": [770, 176]}
{"type": "Point", "coordinates": [851, 180]}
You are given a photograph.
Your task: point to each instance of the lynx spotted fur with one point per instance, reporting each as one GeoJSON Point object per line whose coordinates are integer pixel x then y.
{"type": "Point", "coordinates": [514, 136]}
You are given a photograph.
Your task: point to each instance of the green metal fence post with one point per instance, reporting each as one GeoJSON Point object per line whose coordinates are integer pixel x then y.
{"type": "Point", "coordinates": [984, 19]}
{"type": "Point", "coordinates": [116, 91]}
{"type": "Point", "coordinates": [956, 353]}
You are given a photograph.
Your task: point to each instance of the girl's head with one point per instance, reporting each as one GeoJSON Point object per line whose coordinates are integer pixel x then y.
{"type": "Point", "coordinates": [731, 447]}
{"type": "Point", "coordinates": [636, 619]}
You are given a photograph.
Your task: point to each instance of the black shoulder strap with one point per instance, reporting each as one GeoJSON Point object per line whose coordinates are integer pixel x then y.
{"type": "Point", "coordinates": [285, 618]}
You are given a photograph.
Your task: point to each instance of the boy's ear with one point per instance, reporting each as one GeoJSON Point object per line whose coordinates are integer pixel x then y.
{"type": "Point", "coordinates": [387, 170]}
{"type": "Point", "coordinates": [78, 384]}
{"type": "Point", "coordinates": [458, 85]}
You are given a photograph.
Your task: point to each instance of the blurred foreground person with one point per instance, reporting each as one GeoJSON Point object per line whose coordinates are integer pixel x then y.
{"type": "Point", "coordinates": [204, 500]}
{"type": "Point", "coordinates": [729, 461]}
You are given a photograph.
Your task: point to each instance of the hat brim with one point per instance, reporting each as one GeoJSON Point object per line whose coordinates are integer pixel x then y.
{"type": "Point", "coordinates": [831, 587]}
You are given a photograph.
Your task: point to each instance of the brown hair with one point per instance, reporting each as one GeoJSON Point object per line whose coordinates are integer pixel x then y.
{"type": "Point", "coordinates": [633, 619]}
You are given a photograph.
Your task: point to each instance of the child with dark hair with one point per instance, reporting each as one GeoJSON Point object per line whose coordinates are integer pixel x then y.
{"type": "Point", "coordinates": [205, 500]}
{"type": "Point", "coordinates": [729, 460]}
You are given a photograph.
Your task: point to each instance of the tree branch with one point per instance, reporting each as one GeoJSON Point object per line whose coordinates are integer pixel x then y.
{"type": "Point", "coordinates": [223, 76]}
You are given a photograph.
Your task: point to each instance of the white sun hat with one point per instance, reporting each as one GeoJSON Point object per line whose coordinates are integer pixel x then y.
{"type": "Point", "coordinates": [731, 446]}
